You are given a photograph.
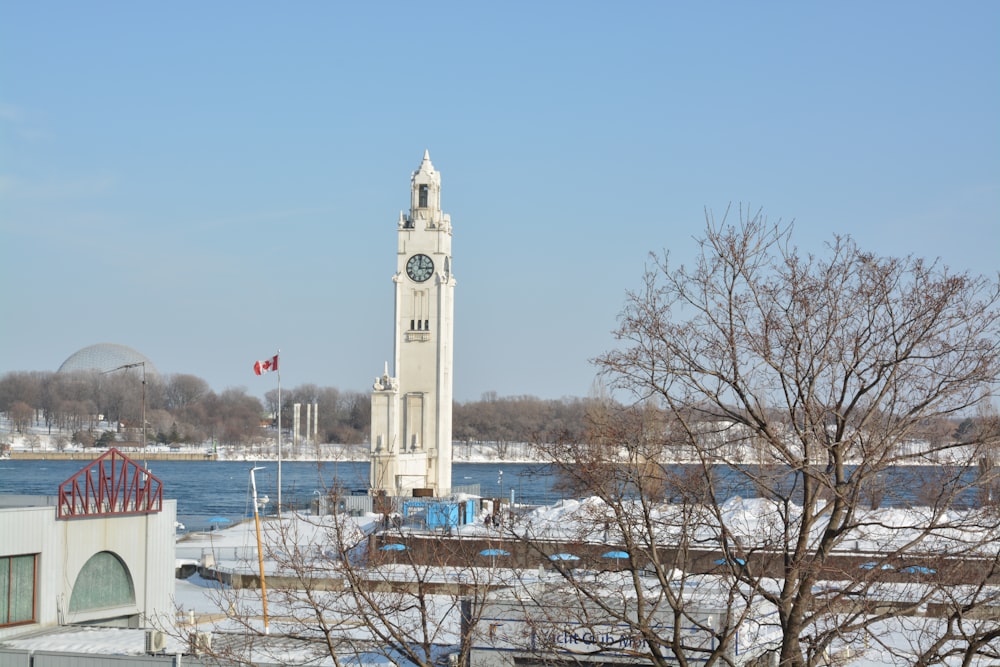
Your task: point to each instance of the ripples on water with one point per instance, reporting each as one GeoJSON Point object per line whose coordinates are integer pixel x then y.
{"type": "Point", "coordinates": [208, 489]}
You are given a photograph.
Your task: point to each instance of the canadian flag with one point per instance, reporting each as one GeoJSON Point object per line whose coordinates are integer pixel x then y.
{"type": "Point", "coordinates": [261, 367]}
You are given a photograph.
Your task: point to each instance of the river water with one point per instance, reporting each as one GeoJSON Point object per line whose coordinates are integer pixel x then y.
{"type": "Point", "coordinates": [209, 489]}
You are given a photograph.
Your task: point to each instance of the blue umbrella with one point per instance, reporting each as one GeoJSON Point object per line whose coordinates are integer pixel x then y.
{"type": "Point", "coordinates": [563, 557]}
{"type": "Point", "coordinates": [494, 552]}
{"type": "Point", "coordinates": [871, 565]}
{"type": "Point", "coordinates": [392, 547]}
{"type": "Point", "coordinates": [218, 521]}
{"type": "Point", "coordinates": [615, 554]}
{"type": "Point", "coordinates": [736, 561]}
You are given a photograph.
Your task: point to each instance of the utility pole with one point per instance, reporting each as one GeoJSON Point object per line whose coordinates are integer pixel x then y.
{"type": "Point", "coordinates": [124, 367]}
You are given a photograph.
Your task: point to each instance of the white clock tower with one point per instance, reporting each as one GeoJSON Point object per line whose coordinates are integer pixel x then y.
{"type": "Point", "coordinates": [411, 401]}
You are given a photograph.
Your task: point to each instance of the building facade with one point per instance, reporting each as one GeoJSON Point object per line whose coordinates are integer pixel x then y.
{"type": "Point", "coordinates": [411, 444]}
{"type": "Point", "coordinates": [101, 551]}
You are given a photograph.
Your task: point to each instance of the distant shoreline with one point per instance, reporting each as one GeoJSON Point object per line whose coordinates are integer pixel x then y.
{"type": "Point", "coordinates": [90, 455]}
{"type": "Point", "coordinates": [138, 454]}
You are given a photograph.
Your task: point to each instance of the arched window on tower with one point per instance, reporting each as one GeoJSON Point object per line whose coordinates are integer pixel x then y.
{"type": "Point", "coordinates": [419, 320]}
{"type": "Point", "coordinates": [422, 202]}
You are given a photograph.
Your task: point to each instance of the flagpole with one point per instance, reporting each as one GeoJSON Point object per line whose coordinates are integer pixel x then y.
{"type": "Point", "coordinates": [259, 368]}
{"type": "Point", "coordinates": [279, 435]}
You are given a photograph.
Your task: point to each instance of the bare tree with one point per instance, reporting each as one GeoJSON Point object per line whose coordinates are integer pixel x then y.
{"type": "Point", "coordinates": [234, 417]}
{"type": "Point", "coordinates": [21, 416]}
{"type": "Point", "coordinates": [337, 591]}
{"type": "Point", "coordinates": [26, 387]}
{"type": "Point", "coordinates": [74, 415]}
{"type": "Point", "coordinates": [182, 390]}
{"type": "Point", "coordinates": [118, 397]}
{"type": "Point", "coordinates": [513, 425]}
{"type": "Point", "coordinates": [806, 379]}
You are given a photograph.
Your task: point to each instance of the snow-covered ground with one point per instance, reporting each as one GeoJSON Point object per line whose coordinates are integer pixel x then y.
{"type": "Point", "coordinates": [201, 604]}
{"type": "Point", "coordinates": [757, 523]}
{"type": "Point", "coordinates": [39, 440]}
{"type": "Point", "coordinates": [234, 549]}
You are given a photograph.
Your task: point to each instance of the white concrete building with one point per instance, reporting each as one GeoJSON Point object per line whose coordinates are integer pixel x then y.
{"type": "Point", "coordinates": [99, 551]}
{"type": "Point", "coordinates": [411, 401]}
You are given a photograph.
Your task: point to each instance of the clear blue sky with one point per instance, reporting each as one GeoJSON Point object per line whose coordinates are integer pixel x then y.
{"type": "Point", "coordinates": [209, 182]}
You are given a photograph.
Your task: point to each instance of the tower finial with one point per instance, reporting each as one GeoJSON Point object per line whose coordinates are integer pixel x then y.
{"type": "Point", "coordinates": [426, 164]}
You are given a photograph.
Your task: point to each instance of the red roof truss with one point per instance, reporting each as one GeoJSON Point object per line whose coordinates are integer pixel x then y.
{"type": "Point", "coordinates": [111, 484]}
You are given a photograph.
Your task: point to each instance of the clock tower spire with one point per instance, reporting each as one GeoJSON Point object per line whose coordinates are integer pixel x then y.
{"type": "Point", "coordinates": [412, 403]}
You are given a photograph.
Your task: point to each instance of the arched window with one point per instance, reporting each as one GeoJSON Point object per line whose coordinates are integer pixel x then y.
{"type": "Point", "coordinates": [103, 583]}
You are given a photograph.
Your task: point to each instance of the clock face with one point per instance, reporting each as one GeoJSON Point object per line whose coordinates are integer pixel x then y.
{"type": "Point", "coordinates": [420, 268]}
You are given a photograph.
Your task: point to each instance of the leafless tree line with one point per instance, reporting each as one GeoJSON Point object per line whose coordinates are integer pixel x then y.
{"type": "Point", "coordinates": [179, 408]}
{"type": "Point", "coordinates": [183, 408]}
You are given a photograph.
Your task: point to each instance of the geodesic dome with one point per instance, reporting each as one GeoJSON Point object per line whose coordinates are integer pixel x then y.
{"type": "Point", "coordinates": [105, 357]}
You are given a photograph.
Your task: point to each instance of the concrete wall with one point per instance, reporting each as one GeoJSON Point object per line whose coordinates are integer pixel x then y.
{"type": "Point", "coordinates": [21, 658]}
{"type": "Point", "coordinates": [564, 629]}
